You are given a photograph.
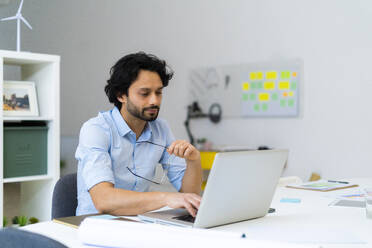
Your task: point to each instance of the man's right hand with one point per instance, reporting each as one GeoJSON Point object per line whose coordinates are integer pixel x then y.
{"type": "Point", "coordinates": [190, 201]}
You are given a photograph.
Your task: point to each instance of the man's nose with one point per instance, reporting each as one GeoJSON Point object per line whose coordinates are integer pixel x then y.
{"type": "Point", "coordinates": [155, 99]}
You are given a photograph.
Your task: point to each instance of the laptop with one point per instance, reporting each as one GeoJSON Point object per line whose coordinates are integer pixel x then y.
{"type": "Point", "coordinates": [240, 187]}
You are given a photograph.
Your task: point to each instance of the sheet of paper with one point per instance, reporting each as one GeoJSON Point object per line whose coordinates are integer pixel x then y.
{"type": "Point", "coordinates": [348, 203]}
{"type": "Point", "coordinates": [307, 235]}
{"type": "Point", "coordinates": [352, 194]}
{"type": "Point", "coordinates": [109, 233]}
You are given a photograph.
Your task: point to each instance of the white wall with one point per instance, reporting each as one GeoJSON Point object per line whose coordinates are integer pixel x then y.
{"type": "Point", "coordinates": [333, 38]}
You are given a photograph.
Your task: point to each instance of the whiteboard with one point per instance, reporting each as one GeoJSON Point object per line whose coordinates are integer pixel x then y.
{"type": "Point", "coordinates": [262, 89]}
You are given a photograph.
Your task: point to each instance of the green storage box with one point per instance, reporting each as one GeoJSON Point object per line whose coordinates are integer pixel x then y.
{"type": "Point", "coordinates": [25, 151]}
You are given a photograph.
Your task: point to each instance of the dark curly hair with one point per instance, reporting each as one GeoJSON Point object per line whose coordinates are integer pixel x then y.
{"type": "Point", "coordinates": [126, 70]}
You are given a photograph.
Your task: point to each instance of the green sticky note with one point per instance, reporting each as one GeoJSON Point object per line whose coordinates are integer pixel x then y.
{"type": "Point", "coordinates": [253, 85]}
{"type": "Point", "coordinates": [252, 96]}
{"type": "Point", "coordinates": [291, 102]}
{"type": "Point", "coordinates": [264, 106]}
{"type": "Point", "coordinates": [285, 74]}
{"type": "Point", "coordinates": [259, 85]}
{"type": "Point", "coordinates": [282, 103]}
{"type": "Point", "coordinates": [274, 96]}
{"type": "Point", "coordinates": [293, 86]}
{"type": "Point", "coordinates": [245, 97]}
{"type": "Point", "coordinates": [256, 107]}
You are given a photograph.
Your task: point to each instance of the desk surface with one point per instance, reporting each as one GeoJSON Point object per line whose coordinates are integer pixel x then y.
{"type": "Point", "coordinates": [310, 221]}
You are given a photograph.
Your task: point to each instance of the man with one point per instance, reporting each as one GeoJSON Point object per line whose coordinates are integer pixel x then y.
{"type": "Point", "coordinates": [119, 149]}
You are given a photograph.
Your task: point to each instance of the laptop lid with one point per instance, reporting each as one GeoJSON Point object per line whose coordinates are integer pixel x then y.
{"type": "Point", "coordinates": [240, 187]}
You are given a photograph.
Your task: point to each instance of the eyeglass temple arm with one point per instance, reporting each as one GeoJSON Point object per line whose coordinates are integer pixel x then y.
{"type": "Point", "coordinates": [141, 177]}
{"type": "Point", "coordinates": [166, 147]}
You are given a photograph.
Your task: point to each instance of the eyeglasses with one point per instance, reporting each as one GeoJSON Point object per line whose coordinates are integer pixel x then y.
{"type": "Point", "coordinates": [165, 167]}
{"type": "Point", "coordinates": [161, 181]}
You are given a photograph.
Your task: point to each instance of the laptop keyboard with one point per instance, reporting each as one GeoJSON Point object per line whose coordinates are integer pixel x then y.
{"type": "Point", "coordinates": [191, 219]}
{"type": "Point", "coordinates": [187, 218]}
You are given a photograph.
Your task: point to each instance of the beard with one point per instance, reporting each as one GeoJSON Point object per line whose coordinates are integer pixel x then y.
{"type": "Point", "coordinates": [141, 113]}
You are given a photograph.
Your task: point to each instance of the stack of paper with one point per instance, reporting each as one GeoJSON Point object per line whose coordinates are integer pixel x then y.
{"type": "Point", "coordinates": [111, 233]}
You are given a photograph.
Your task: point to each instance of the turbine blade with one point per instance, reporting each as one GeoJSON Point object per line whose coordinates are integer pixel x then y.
{"type": "Point", "coordinates": [26, 22]}
{"type": "Point", "coordinates": [20, 7]}
{"type": "Point", "coordinates": [9, 18]}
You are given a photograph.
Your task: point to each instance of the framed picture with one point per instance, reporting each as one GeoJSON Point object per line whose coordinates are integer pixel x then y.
{"type": "Point", "coordinates": [19, 99]}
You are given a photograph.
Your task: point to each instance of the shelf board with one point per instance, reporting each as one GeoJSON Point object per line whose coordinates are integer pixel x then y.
{"type": "Point", "coordinates": [27, 178]}
{"type": "Point", "coordinates": [24, 58]}
{"type": "Point", "coordinates": [25, 118]}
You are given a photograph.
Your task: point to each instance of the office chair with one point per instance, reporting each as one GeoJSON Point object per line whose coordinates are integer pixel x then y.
{"type": "Point", "coordinates": [64, 200]}
{"type": "Point", "coordinates": [17, 238]}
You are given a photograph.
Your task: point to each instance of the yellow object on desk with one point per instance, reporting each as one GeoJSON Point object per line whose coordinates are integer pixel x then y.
{"type": "Point", "coordinates": [207, 159]}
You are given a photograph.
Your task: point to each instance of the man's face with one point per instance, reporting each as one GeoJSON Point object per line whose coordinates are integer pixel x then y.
{"type": "Point", "coordinates": [144, 96]}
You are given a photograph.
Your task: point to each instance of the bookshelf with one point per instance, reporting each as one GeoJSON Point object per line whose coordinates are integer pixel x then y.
{"type": "Point", "coordinates": [35, 191]}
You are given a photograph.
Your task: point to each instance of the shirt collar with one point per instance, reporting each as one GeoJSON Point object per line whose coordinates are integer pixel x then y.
{"type": "Point", "coordinates": [124, 129]}
{"type": "Point", "coordinates": [146, 133]}
{"type": "Point", "coordinates": [120, 123]}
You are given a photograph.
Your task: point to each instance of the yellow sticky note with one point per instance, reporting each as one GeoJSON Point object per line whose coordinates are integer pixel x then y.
{"type": "Point", "coordinates": [269, 85]}
{"type": "Point", "coordinates": [259, 75]}
{"type": "Point", "coordinates": [263, 96]}
{"type": "Point", "coordinates": [271, 75]}
{"type": "Point", "coordinates": [245, 86]}
{"type": "Point", "coordinates": [253, 76]}
{"type": "Point", "coordinates": [285, 74]}
{"type": "Point", "coordinates": [290, 93]}
{"type": "Point", "coordinates": [283, 85]}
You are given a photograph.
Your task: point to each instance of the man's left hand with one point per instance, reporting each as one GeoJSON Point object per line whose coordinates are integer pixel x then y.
{"type": "Point", "coordinates": [183, 149]}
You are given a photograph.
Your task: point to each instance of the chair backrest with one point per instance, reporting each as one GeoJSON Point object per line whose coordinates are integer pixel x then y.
{"type": "Point", "coordinates": [64, 201]}
{"type": "Point", "coordinates": [17, 238]}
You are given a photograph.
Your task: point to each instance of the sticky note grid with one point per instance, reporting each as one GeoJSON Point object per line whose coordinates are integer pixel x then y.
{"type": "Point", "coordinates": [270, 92]}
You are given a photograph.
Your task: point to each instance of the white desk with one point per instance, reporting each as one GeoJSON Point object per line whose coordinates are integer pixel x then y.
{"type": "Point", "coordinates": [311, 220]}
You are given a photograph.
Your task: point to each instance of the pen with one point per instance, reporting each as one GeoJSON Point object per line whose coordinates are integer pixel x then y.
{"type": "Point", "coordinates": [333, 181]}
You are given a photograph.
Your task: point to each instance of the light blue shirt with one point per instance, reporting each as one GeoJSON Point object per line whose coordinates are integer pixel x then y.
{"type": "Point", "coordinates": [107, 146]}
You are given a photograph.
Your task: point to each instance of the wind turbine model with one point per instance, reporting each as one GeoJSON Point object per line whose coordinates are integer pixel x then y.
{"type": "Point", "coordinates": [19, 18]}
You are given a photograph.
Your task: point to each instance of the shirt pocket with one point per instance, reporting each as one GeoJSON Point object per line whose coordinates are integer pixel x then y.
{"type": "Point", "coordinates": [121, 156]}
{"type": "Point", "coordinates": [147, 159]}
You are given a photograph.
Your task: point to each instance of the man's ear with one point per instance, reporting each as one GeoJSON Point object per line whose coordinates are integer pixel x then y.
{"type": "Point", "coordinates": [122, 98]}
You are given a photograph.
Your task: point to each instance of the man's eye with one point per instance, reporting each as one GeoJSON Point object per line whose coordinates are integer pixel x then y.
{"type": "Point", "coordinates": [144, 94]}
{"type": "Point", "coordinates": [159, 93]}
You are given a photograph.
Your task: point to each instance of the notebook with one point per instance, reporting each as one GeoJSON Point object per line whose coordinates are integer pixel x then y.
{"type": "Point", "coordinates": [322, 185]}
{"type": "Point", "coordinates": [75, 221]}
{"type": "Point", "coordinates": [240, 187]}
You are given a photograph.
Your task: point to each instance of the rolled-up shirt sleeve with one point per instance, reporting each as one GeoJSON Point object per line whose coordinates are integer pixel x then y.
{"type": "Point", "coordinates": [176, 166]}
{"type": "Point", "coordinates": [176, 170]}
{"type": "Point", "coordinates": [93, 155]}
